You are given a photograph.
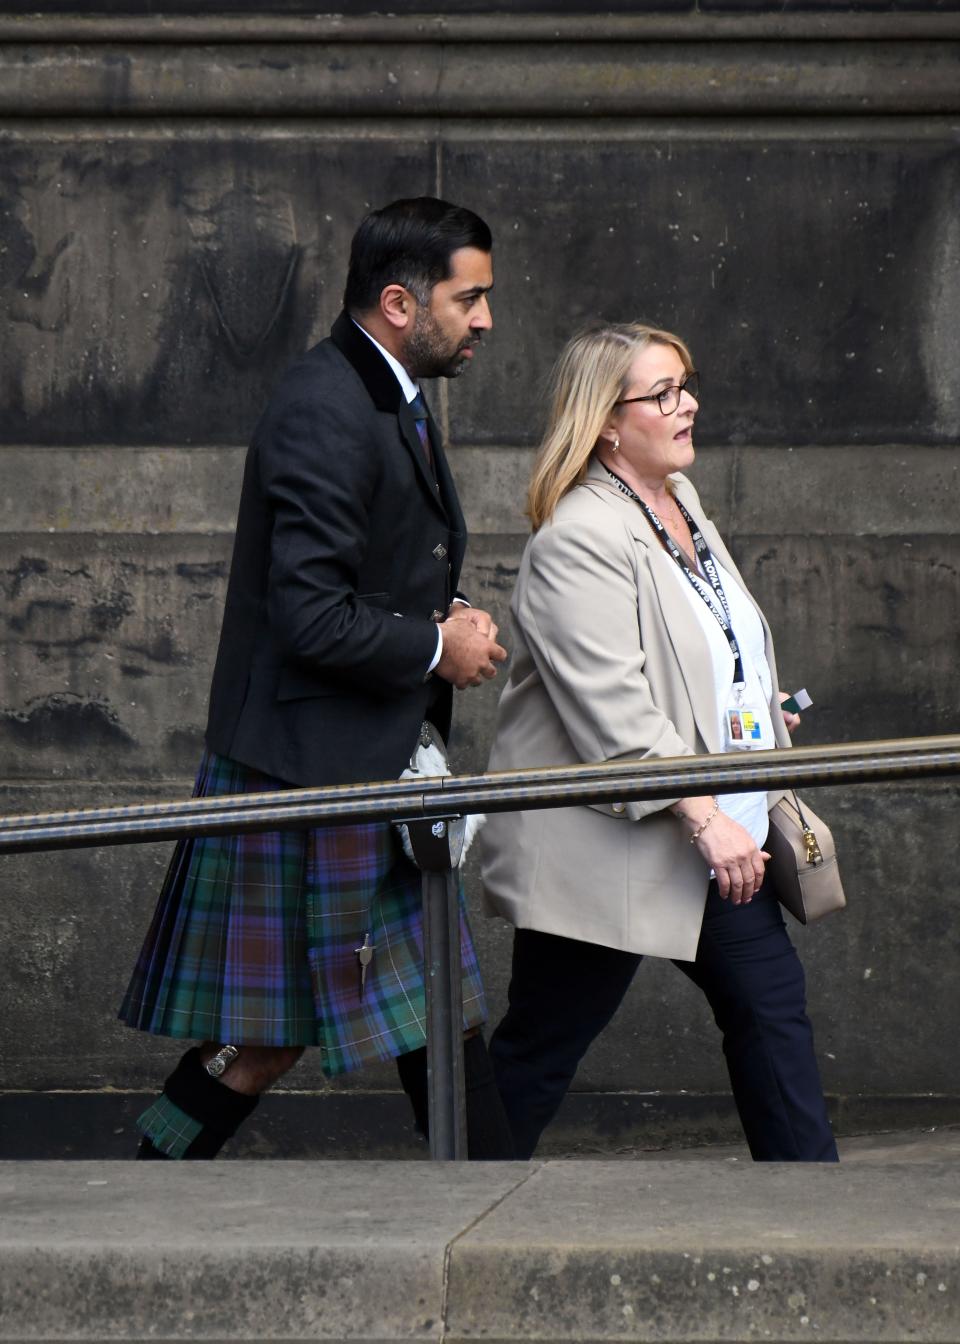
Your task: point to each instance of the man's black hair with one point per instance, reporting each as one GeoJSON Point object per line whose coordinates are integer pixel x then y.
{"type": "Point", "coordinates": [409, 243]}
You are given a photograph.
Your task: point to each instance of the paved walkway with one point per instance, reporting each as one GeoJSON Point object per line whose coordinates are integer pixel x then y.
{"type": "Point", "coordinates": [692, 1245]}
{"type": "Point", "coordinates": [941, 1144]}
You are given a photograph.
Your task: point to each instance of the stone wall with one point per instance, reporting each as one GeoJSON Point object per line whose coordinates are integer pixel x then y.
{"type": "Point", "coordinates": [177, 195]}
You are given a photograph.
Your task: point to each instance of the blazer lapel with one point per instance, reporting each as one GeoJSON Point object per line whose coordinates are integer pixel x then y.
{"type": "Point", "coordinates": [387, 395]}
{"type": "Point", "coordinates": [373, 370]}
{"type": "Point", "coordinates": [681, 625]}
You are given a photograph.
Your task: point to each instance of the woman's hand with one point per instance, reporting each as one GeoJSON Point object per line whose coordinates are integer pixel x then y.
{"type": "Point", "coordinates": [734, 857]}
{"type": "Point", "coordinates": [730, 850]}
{"type": "Point", "coordinates": [792, 721]}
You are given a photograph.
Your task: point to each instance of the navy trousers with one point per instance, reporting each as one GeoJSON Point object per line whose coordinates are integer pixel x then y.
{"type": "Point", "coordinates": [563, 993]}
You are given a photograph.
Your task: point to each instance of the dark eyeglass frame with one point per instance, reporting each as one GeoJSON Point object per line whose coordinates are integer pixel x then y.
{"type": "Point", "coordinates": [693, 376]}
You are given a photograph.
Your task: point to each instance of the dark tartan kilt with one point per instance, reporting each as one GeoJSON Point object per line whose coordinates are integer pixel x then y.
{"type": "Point", "coordinates": [254, 939]}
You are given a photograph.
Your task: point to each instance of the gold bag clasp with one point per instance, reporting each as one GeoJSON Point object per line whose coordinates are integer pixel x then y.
{"type": "Point", "coordinates": [811, 846]}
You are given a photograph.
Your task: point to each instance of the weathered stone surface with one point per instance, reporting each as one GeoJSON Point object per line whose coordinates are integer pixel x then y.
{"type": "Point", "coordinates": [366, 79]}
{"type": "Point", "coordinates": [105, 490]}
{"type": "Point", "coordinates": [107, 650]}
{"type": "Point", "coordinates": [194, 490]}
{"type": "Point", "coordinates": [373, 9]}
{"type": "Point", "coordinates": [346, 1124]}
{"type": "Point", "coordinates": [533, 21]}
{"type": "Point", "coordinates": [852, 618]}
{"type": "Point", "coordinates": [256, 1258]}
{"type": "Point", "coordinates": [884, 1000]}
{"type": "Point", "coordinates": [158, 282]}
{"type": "Point", "coordinates": [825, 319]}
{"type": "Point", "coordinates": [376, 1124]}
{"type": "Point", "coordinates": [76, 920]}
{"type": "Point", "coordinates": [899, 6]}
{"type": "Point", "coordinates": [500, 1251]}
{"type": "Point", "coordinates": [591, 1251]}
{"type": "Point", "coordinates": [208, 261]}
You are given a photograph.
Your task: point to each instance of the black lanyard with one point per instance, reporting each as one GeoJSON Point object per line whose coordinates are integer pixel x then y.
{"type": "Point", "coordinates": [706, 560]}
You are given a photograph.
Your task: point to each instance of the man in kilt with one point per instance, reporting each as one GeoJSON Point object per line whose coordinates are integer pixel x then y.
{"type": "Point", "coordinates": [343, 631]}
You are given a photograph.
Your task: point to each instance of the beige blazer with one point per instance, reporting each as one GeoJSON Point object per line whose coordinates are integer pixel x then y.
{"type": "Point", "coordinates": [606, 664]}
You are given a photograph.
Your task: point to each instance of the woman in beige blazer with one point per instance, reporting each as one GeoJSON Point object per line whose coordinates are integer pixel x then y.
{"type": "Point", "coordinates": [635, 637]}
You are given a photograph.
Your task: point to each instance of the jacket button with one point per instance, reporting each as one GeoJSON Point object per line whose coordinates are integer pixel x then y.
{"type": "Point", "coordinates": [618, 808]}
{"type": "Point", "coordinates": [439, 550]}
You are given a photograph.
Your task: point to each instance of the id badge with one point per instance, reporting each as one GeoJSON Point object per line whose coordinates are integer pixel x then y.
{"type": "Point", "coordinates": [743, 728]}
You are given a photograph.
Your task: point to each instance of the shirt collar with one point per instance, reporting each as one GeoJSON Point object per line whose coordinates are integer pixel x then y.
{"type": "Point", "coordinates": [407, 384]}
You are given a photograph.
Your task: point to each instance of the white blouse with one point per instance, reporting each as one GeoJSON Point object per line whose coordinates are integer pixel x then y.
{"type": "Point", "coordinates": [749, 809]}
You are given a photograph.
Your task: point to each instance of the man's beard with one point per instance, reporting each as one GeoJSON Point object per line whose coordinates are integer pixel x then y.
{"type": "Point", "coordinates": [429, 353]}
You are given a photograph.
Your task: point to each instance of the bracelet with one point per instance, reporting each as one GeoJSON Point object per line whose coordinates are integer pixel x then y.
{"type": "Point", "coordinates": [706, 822]}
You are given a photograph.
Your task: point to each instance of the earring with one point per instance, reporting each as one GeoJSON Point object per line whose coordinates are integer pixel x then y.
{"type": "Point", "coordinates": [616, 443]}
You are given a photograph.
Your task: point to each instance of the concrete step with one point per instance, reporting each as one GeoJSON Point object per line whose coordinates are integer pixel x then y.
{"type": "Point", "coordinates": [552, 1251]}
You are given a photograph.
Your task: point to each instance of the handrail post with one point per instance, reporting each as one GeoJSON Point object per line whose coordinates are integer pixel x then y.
{"type": "Point", "coordinates": [437, 846]}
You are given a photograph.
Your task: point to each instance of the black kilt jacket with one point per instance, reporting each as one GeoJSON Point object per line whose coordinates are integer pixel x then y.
{"type": "Point", "coordinates": [346, 554]}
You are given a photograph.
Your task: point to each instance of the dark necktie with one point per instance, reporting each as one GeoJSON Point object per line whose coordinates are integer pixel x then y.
{"type": "Point", "coordinates": [418, 408]}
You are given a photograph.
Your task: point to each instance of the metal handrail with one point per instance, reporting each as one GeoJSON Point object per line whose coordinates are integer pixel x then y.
{"type": "Point", "coordinates": [435, 809]}
{"type": "Point", "coordinates": [506, 791]}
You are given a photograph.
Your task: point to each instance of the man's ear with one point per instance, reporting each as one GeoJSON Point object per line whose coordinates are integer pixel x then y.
{"type": "Point", "coordinates": [397, 305]}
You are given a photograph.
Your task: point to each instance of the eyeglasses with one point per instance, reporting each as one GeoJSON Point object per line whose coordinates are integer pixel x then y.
{"type": "Point", "coordinates": [669, 399]}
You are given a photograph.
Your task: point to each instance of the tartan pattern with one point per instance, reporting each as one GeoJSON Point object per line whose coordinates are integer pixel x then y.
{"type": "Point", "coordinates": [254, 940]}
{"type": "Point", "coordinates": [168, 1128]}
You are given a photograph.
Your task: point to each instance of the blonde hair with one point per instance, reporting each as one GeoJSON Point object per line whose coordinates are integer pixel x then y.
{"type": "Point", "coordinates": [588, 379]}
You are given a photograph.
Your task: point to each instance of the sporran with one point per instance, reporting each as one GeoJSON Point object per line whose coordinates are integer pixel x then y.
{"type": "Point", "coordinates": [429, 760]}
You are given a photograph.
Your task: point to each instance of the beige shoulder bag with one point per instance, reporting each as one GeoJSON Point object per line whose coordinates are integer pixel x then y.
{"type": "Point", "coordinates": [803, 861]}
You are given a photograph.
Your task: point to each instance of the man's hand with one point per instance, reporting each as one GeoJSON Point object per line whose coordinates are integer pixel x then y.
{"type": "Point", "coordinates": [470, 647]}
{"type": "Point", "coordinates": [462, 611]}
